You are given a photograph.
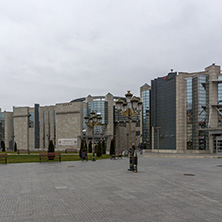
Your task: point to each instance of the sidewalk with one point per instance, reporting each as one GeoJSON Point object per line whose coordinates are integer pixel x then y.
{"type": "Point", "coordinates": [163, 190]}
{"type": "Point", "coordinates": [148, 153]}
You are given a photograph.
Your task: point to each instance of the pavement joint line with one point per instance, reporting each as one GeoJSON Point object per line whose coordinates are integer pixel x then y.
{"type": "Point", "coordinates": [106, 191]}
{"type": "Point", "coordinates": [175, 156]}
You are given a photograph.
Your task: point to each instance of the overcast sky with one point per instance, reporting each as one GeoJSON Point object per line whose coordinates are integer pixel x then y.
{"type": "Point", "coordinates": [53, 51]}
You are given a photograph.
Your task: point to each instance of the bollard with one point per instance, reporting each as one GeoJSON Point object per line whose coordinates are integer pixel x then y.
{"type": "Point", "coordinates": [93, 158]}
{"type": "Point", "coordinates": [131, 163]}
{"type": "Point", "coordinates": [135, 163]}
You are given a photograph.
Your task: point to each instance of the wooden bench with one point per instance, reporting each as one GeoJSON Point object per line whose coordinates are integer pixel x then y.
{"type": "Point", "coordinates": [23, 151]}
{"type": "Point", "coordinates": [116, 155]}
{"type": "Point", "coordinates": [3, 156]}
{"type": "Point", "coordinates": [119, 155]}
{"type": "Point", "coordinates": [46, 156]}
{"type": "Point", "coordinates": [69, 150]}
{"type": "Point", "coordinates": [125, 153]}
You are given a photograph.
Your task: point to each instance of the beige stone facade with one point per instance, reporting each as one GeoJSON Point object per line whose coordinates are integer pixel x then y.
{"type": "Point", "coordinates": [122, 135]}
{"type": "Point", "coordinates": [47, 126]}
{"type": "Point", "coordinates": [21, 127]}
{"type": "Point", "coordinates": [69, 124]}
{"type": "Point", "coordinates": [61, 123]}
{"type": "Point", "coordinates": [212, 72]}
{"type": "Point", "coordinates": [64, 124]}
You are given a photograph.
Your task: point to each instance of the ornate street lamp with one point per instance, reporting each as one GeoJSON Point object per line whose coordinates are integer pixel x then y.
{"type": "Point", "coordinates": [130, 108]}
{"type": "Point", "coordinates": [91, 121]}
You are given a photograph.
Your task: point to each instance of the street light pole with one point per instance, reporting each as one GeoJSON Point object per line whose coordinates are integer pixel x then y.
{"type": "Point", "coordinates": [93, 158]}
{"type": "Point", "coordinates": [158, 138]}
{"type": "Point", "coordinates": [130, 108]}
{"type": "Point", "coordinates": [92, 121]}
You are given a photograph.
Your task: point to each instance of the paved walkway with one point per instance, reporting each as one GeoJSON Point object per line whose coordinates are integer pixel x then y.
{"type": "Point", "coordinates": [164, 190]}
{"type": "Point", "coordinates": [147, 153]}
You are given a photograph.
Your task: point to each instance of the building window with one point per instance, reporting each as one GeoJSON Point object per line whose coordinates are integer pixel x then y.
{"type": "Point", "coordinates": [189, 114]}
{"type": "Point", "coordinates": [197, 112]}
{"type": "Point", "coordinates": [219, 100]}
{"type": "Point", "coordinates": [146, 117]}
{"type": "Point", "coordinates": [100, 107]}
{"type": "Point", "coordinates": [31, 120]}
{"type": "Point", "coordinates": [137, 133]}
{"type": "Point", "coordinates": [84, 111]}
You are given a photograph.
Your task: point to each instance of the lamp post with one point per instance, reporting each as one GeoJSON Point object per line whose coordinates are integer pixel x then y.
{"type": "Point", "coordinates": [130, 108]}
{"type": "Point", "coordinates": [158, 138]}
{"type": "Point", "coordinates": [91, 121]}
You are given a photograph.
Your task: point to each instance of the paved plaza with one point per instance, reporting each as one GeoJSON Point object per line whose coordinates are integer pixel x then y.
{"type": "Point", "coordinates": [165, 189]}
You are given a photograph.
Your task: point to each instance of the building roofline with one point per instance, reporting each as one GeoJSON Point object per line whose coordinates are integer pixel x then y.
{"type": "Point", "coordinates": [82, 99]}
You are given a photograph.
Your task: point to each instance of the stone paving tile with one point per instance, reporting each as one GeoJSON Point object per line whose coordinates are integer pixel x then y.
{"type": "Point", "coordinates": [106, 191]}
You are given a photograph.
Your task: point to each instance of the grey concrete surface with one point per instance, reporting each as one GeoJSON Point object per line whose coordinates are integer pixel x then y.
{"type": "Point", "coordinates": [105, 191]}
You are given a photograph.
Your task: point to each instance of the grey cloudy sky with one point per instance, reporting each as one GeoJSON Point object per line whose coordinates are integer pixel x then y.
{"type": "Point", "coordinates": [54, 51]}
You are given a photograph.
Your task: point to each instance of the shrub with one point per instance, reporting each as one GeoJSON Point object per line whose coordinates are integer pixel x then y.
{"type": "Point", "coordinates": [90, 147]}
{"type": "Point", "coordinates": [99, 150]}
{"type": "Point", "coordinates": [84, 151]}
{"type": "Point", "coordinates": [112, 147]}
{"type": "Point", "coordinates": [51, 148]}
{"type": "Point", "coordinates": [81, 149]}
{"type": "Point", "coordinates": [3, 146]}
{"type": "Point", "coordinates": [95, 148]}
{"type": "Point", "coordinates": [15, 147]}
{"type": "Point", "coordinates": [85, 147]}
{"type": "Point", "coordinates": [103, 147]}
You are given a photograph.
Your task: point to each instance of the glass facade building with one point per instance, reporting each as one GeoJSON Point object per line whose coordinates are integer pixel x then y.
{"type": "Point", "coordinates": [100, 107]}
{"type": "Point", "coordinates": [84, 112]}
{"type": "Point", "coordinates": [220, 91]}
{"type": "Point", "coordinates": [146, 118]}
{"type": "Point", "coordinates": [163, 111]}
{"type": "Point", "coordinates": [189, 113]}
{"type": "Point", "coordinates": [197, 94]}
{"type": "Point", "coordinates": [220, 99]}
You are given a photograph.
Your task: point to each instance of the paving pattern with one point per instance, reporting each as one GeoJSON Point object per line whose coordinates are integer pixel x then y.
{"type": "Point", "coordinates": [164, 189]}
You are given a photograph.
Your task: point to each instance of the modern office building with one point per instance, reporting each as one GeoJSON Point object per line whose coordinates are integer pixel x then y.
{"type": "Point", "coordinates": [186, 111]}
{"type": "Point", "coordinates": [64, 124]}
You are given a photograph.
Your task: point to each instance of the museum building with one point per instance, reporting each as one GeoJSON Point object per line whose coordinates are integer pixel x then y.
{"type": "Point", "coordinates": [64, 124]}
